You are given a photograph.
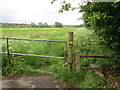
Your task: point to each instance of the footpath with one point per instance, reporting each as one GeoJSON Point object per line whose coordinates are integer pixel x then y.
{"type": "Point", "coordinates": [32, 81]}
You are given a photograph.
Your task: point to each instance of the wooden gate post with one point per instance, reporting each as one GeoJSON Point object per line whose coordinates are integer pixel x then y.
{"type": "Point", "coordinates": [70, 46]}
{"type": "Point", "coordinates": [8, 51]}
{"type": "Point", "coordinates": [77, 59]}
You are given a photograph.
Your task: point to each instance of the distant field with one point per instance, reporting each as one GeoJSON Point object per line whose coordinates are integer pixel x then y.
{"type": "Point", "coordinates": [41, 33]}
{"type": "Point", "coordinates": [34, 31]}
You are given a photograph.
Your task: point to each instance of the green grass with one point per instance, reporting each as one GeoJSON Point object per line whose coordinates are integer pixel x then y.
{"type": "Point", "coordinates": [84, 40]}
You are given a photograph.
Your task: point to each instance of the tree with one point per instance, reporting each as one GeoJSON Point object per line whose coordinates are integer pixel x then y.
{"type": "Point", "coordinates": [58, 24]}
{"type": "Point", "coordinates": [40, 25]}
{"type": "Point", "coordinates": [33, 24]}
{"type": "Point", "coordinates": [104, 18]}
{"type": "Point", "coordinates": [46, 25]}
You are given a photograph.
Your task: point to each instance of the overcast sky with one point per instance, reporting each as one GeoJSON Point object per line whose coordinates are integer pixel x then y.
{"type": "Point", "coordinates": [27, 11]}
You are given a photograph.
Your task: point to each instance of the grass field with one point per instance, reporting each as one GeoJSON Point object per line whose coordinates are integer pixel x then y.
{"type": "Point", "coordinates": [84, 40]}
{"type": "Point", "coordinates": [34, 47]}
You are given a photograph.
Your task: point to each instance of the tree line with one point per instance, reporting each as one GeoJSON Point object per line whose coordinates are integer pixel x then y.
{"type": "Point", "coordinates": [32, 25]}
{"type": "Point", "coordinates": [39, 25]}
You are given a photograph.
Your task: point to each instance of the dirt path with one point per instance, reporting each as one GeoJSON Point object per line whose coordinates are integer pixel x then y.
{"type": "Point", "coordinates": [40, 81]}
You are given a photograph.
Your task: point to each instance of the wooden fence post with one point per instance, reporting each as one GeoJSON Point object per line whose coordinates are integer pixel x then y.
{"type": "Point", "coordinates": [70, 45]}
{"type": "Point", "coordinates": [8, 51]}
{"type": "Point", "coordinates": [77, 59]}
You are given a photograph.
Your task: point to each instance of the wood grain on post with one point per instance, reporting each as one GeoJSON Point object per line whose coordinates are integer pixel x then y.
{"type": "Point", "coordinates": [8, 51]}
{"type": "Point", "coordinates": [70, 45]}
{"type": "Point", "coordinates": [77, 59]}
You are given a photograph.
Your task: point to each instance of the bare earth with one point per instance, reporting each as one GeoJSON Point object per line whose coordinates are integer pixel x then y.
{"type": "Point", "coordinates": [29, 81]}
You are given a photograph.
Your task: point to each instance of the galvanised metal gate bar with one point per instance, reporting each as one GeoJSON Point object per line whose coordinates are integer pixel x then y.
{"type": "Point", "coordinates": [34, 39]}
{"type": "Point", "coordinates": [8, 52]}
{"type": "Point", "coordinates": [32, 55]}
